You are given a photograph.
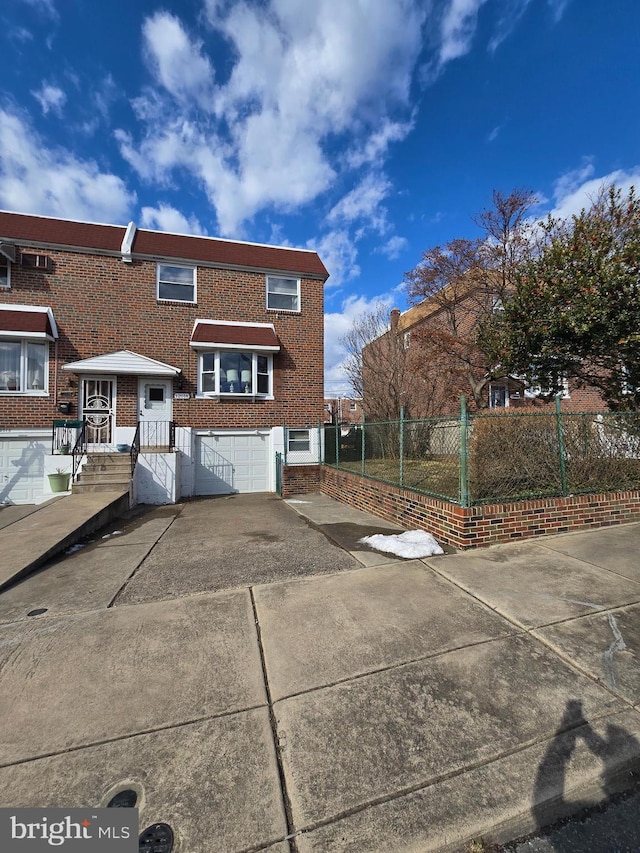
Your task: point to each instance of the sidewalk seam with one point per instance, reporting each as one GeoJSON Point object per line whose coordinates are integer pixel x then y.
{"type": "Point", "coordinates": [286, 800]}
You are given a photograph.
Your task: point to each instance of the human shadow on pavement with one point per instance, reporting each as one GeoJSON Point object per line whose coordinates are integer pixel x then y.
{"type": "Point", "coordinates": [619, 752]}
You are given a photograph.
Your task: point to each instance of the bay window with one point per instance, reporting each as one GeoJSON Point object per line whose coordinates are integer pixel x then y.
{"type": "Point", "coordinates": [23, 367]}
{"type": "Point", "coordinates": [230, 372]}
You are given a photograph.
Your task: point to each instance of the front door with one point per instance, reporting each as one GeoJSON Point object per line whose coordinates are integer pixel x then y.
{"type": "Point", "coordinates": [98, 409]}
{"type": "Point", "coordinates": [155, 411]}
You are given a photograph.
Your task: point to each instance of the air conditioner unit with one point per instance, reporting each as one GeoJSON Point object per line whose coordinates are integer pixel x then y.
{"type": "Point", "coordinates": [33, 261]}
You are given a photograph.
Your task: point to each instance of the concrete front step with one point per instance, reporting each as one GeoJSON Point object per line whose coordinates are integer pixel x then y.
{"type": "Point", "coordinates": [104, 471]}
{"type": "Point", "coordinates": [111, 486]}
{"type": "Point", "coordinates": [102, 476]}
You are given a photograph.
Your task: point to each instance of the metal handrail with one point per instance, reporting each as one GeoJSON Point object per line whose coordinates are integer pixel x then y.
{"type": "Point", "coordinates": [135, 448]}
{"type": "Point", "coordinates": [79, 449]}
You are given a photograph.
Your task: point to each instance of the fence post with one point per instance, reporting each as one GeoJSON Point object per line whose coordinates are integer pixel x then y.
{"type": "Point", "coordinates": [320, 455]}
{"type": "Point", "coordinates": [337, 444]}
{"type": "Point", "coordinates": [401, 445]}
{"type": "Point", "coordinates": [284, 434]}
{"type": "Point", "coordinates": [561, 452]}
{"type": "Point", "coordinates": [464, 452]}
{"type": "Point", "coordinates": [362, 443]}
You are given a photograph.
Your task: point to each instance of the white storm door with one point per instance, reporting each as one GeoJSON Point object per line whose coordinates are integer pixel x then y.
{"type": "Point", "coordinates": [98, 409]}
{"type": "Point", "coordinates": [155, 410]}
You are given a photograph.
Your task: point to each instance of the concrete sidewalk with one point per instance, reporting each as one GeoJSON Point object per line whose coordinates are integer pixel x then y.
{"type": "Point", "coordinates": [261, 687]}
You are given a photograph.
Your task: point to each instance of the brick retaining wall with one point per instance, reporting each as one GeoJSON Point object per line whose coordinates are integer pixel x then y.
{"type": "Point", "coordinates": [301, 479]}
{"type": "Point", "coordinates": [479, 525]}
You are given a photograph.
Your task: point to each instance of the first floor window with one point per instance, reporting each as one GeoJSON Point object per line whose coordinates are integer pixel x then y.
{"type": "Point", "coordinates": [299, 440]}
{"type": "Point", "coordinates": [230, 372]}
{"type": "Point", "coordinates": [23, 366]}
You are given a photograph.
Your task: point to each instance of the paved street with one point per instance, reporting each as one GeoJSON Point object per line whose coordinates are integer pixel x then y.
{"type": "Point", "coordinates": [264, 682]}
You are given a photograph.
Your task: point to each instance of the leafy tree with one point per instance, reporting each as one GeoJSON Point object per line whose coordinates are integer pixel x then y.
{"type": "Point", "coordinates": [575, 307]}
{"type": "Point", "coordinates": [463, 282]}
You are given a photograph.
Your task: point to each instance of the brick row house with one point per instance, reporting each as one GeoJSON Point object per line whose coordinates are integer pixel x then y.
{"type": "Point", "coordinates": [211, 345]}
{"type": "Point", "coordinates": [434, 342]}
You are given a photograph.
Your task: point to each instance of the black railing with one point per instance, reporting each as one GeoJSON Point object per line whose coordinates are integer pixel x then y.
{"type": "Point", "coordinates": [135, 449]}
{"type": "Point", "coordinates": [157, 435]}
{"type": "Point", "coordinates": [64, 435]}
{"type": "Point", "coordinates": [79, 449]}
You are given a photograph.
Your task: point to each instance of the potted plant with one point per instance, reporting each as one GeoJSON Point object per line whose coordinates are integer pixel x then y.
{"type": "Point", "coordinates": [59, 481]}
{"type": "Point", "coordinates": [64, 449]}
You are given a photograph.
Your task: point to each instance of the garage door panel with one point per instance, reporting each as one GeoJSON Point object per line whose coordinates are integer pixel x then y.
{"type": "Point", "coordinates": [228, 463]}
{"type": "Point", "coordinates": [21, 470]}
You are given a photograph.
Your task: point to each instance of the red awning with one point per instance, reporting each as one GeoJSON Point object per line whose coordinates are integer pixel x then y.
{"type": "Point", "coordinates": [25, 321]}
{"type": "Point", "coordinates": [253, 336]}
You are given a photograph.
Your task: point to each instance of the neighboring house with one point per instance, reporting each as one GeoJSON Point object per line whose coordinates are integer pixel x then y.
{"type": "Point", "coordinates": [424, 334]}
{"type": "Point", "coordinates": [121, 326]}
{"type": "Point", "coordinates": [342, 410]}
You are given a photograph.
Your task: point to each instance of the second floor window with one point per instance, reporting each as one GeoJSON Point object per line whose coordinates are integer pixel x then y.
{"type": "Point", "coordinates": [176, 284]}
{"type": "Point", "coordinates": [283, 294]}
{"type": "Point", "coordinates": [5, 273]}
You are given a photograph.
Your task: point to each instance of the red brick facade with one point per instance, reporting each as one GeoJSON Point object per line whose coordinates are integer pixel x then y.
{"type": "Point", "coordinates": [102, 304]}
{"type": "Point", "coordinates": [421, 330]}
{"type": "Point", "coordinates": [480, 525]}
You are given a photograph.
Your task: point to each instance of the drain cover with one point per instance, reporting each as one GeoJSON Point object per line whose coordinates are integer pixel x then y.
{"type": "Point", "coordinates": [123, 800]}
{"type": "Point", "coordinates": [38, 611]}
{"type": "Point", "coordinates": [156, 839]}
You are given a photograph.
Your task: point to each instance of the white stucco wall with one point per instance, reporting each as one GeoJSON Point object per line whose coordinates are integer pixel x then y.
{"type": "Point", "coordinates": [156, 478]}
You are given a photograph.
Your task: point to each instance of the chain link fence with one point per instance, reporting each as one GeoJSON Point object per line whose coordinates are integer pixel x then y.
{"type": "Point", "coordinates": [494, 456]}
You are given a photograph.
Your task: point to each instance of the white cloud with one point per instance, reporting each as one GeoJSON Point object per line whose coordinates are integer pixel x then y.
{"type": "Point", "coordinates": [374, 148]}
{"type": "Point", "coordinates": [339, 255]}
{"type": "Point", "coordinates": [46, 7]}
{"type": "Point", "coordinates": [457, 28]}
{"type": "Point", "coordinates": [336, 326]}
{"type": "Point", "coordinates": [510, 15]}
{"type": "Point", "coordinates": [364, 202]}
{"type": "Point", "coordinates": [176, 61]}
{"type": "Point", "coordinates": [51, 98]}
{"type": "Point", "coordinates": [578, 188]}
{"type": "Point", "coordinates": [394, 247]}
{"type": "Point", "coordinates": [35, 179]}
{"type": "Point", "coordinates": [315, 88]}
{"type": "Point", "coordinates": [167, 218]}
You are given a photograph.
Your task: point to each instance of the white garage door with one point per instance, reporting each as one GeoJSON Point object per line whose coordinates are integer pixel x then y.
{"type": "Point", "coordinates": [22, 469]}
{"type": "Point", "coordinates": [232, 462]}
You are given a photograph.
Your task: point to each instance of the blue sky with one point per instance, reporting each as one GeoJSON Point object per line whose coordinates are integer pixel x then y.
{"type": "Point", "coordinates": [370, 130]}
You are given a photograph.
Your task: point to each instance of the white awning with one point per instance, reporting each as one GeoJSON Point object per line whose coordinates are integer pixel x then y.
{"type": "Point", "coordinates": [122, 363]}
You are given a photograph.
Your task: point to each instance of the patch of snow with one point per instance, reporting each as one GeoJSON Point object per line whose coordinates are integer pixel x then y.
{"type": "Point", "coordinates": [115, 533]}
{"type": "Point", "coordinates": [74, 548]}
{"type": "Point", "coordinates": [412, 544]}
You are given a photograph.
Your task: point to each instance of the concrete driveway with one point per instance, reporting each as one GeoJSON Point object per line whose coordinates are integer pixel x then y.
{"type": "Point", "coordinates": [262, 683]}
